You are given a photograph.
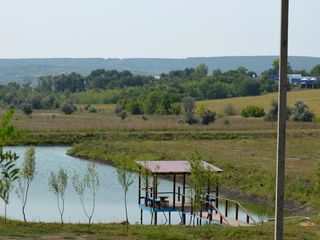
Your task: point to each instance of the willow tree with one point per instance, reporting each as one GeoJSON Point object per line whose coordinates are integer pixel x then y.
{"type": "Point", "coordinates": [125, 178]}
{"type": "Point", "coordinates": [90, 182]}
{"type": "Point", "coordinates": [58, 184]}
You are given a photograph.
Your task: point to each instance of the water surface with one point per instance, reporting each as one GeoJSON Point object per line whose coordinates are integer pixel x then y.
{"type": "Point", "coordinates": [42, 206]}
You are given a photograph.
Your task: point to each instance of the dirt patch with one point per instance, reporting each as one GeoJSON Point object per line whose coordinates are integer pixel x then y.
{"type": "Point", "coordinates": [307, 224]}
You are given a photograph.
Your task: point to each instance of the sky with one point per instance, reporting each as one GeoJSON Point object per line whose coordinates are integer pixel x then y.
{"type": "Point", "coordinates": [154, 28]}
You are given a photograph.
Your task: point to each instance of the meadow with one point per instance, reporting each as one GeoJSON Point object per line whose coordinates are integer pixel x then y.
{"type": "Point", "coordinates": [294, 229]}
{"type": "Point", "coordinates": [106, 119]}
{"type": "Point", "coordinates": [244, 148]}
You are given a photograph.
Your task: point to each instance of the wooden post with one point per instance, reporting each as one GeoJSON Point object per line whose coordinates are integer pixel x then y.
{"type": "Point", "coordinates": [141, 216]}
{"type": "Point", "coordinates": [217, 196]}
{"type": "Point", "coordinates": [282, 117]}
{"type": "Point", "coordinates": [146, 191]}
{"type": "Point", "coordinates": [183, 199]}
{"type": "Point", "coordinates": [226, 209]}
{"type": "Point", "coordinates": [169, 218]}
{"type": "Point", "coordinates": [174, 191]}
{"type": "Point", "coordinates": [237, 211]}
{"type": "Point", "coordinates": [154, 196]}
{"type": "Point", "coordinates": [139, 186]}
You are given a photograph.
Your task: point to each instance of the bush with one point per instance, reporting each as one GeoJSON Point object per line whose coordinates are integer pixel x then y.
{"type": "Point", "coordinates": [176, 108]}
{"type": "Point", "coordinates": [252, 111]}
{"type": "Point", "coordinates": [135, 108]}
{"type": "Point", "coordinates": [272, 114]}
{"type": "Point", "coordinates": [230, 110]}
{"type": "Point", "coordinates": [208, 117]}
{"type": "Point", "coordinates": [189, 107]}
{"type": "Point", "coordinates": [27, 109]}
{"type": "Point", "coordinates": [92, 110]}
{"type": "Point", "coordinates": [302, 113]}
{"type": "Point", "coordinates": [119, 108]}
{"type": "Point", "coordinates": [68, 107]}
{"type": "Point", "coordinates": [123, 114]}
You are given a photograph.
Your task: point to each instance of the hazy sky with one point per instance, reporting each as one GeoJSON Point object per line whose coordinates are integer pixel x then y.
{"type": "Point", "coordinates": [154, 28]}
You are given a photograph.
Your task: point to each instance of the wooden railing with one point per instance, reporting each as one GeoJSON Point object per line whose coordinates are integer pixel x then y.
{"type": "Point", "coordinates": [237, 205]}
{"type": "Point", "coordinates": [212, 204]}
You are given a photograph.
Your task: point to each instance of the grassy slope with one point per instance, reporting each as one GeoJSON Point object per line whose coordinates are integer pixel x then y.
{"type": "Point", "coordinates": [248, 164]}
{"type": "Point", "coordinates": [311, 97]}
{"type": "Point", "coordinates": [294, 229]}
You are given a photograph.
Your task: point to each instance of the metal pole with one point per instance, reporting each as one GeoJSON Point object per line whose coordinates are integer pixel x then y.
{"type": "Point", "coordinates": [282, 117]}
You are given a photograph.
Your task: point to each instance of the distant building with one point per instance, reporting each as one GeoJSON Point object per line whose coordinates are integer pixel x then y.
{"type": "Point", "coordinates": [300, 81]}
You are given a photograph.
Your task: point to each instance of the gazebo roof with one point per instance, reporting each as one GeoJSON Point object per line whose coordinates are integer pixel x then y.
{"type": "Point", "coordinates": [173, 166]}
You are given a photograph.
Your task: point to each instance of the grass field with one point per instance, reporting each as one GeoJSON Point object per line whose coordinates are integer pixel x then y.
{"type": "Point", "coordinates": [295, 229]}
{"type": "Point", "coordinates": [106, 119]}
{"type": "Point", "coordinates": [311, 97]}
{"type": "Point", "coordinates": [248, 164]}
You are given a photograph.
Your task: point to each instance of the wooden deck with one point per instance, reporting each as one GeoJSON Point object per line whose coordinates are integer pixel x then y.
{"type": "Point", "coordinates": [226, 220]}
{"type": "Point", "coordinates": [205, 216]}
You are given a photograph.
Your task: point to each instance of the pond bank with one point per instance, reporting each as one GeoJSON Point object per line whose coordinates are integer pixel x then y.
{"type": "Point", "coordinates": [291, 207]}
{"type": "Point", "coordinates": [68, 138]}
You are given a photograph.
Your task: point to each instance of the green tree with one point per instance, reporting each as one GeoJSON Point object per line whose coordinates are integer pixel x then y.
{"type": "Point", "coordinates": [9, 173]}
{"type": "Point", "coordinates": [57, 185]}
{"type": "Point", "coordinates": [125, 178]}
{"type": "Point", "coordinates": [189, 106]}
{"type": "Point", "coordinates": [315, 71]}
{"type": "Point", "coordinates": [201, 71]}
{"type": "Point", "coordinates": [26, 176]}
{"type": "Point", "coordinates": [90, 181]}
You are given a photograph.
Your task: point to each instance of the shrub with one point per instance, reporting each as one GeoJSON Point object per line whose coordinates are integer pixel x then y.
{"type": "Point", "coordinates": [27, 109]}
{"type": "Point", "coordinates": [135, 108]}
{"type": "Point", "coordinates": [208, 117]}
{"type": "Point", "coordinates": [119, 108]}
{"type": "Point", "coordinates": [123, 114]}
{"type": "Point", "coordinates": [302, 113]}
{"type": "Point", "coordinates": [68, 107]}
{"type": "Point", "coordinates": [92, 110]}
{"type": "Point", "coordinates": [176, 108]}
{"type": "Point", "coordinates": [230, 110]}
{"type": "Point", "coordinates": [189, 106]}
{"type": "Point", "coordinates": [272, 114]}
{"type": "Point", "coordinates": [86, 107]}
{"type": "Point", "coordinates": [252, 111]}
{"type": "Point", "coordinates": [201, 108]}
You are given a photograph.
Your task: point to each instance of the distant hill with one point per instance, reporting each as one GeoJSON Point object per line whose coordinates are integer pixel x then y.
{"type": "Point", "coordinates": [20, 69]}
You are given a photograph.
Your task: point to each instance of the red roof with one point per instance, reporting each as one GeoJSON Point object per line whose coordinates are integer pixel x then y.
{"type": "Point", "coordinates": [175, 166]}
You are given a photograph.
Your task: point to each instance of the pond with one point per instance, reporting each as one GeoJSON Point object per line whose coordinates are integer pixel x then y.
{"type": "Point", "coordinates": [42, 206]}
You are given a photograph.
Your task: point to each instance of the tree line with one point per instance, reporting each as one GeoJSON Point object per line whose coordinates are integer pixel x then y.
{"type": "Point", "coordinates": [142, 94]}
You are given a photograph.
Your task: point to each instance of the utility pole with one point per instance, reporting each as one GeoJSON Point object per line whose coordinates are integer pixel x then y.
{"type": "Point", "coordinates": [282, 118]}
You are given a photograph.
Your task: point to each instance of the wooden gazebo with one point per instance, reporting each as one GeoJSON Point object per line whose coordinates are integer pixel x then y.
{"type": "Point", "coordinates": [154, 200]}
{"type": "Point", "coordinates": [177, 200]}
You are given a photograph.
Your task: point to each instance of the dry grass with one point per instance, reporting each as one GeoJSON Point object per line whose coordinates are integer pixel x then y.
{"type": "Point", "coordinates": [106, 119]}
{"type": "Point", "coordinates": [311, 97]}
